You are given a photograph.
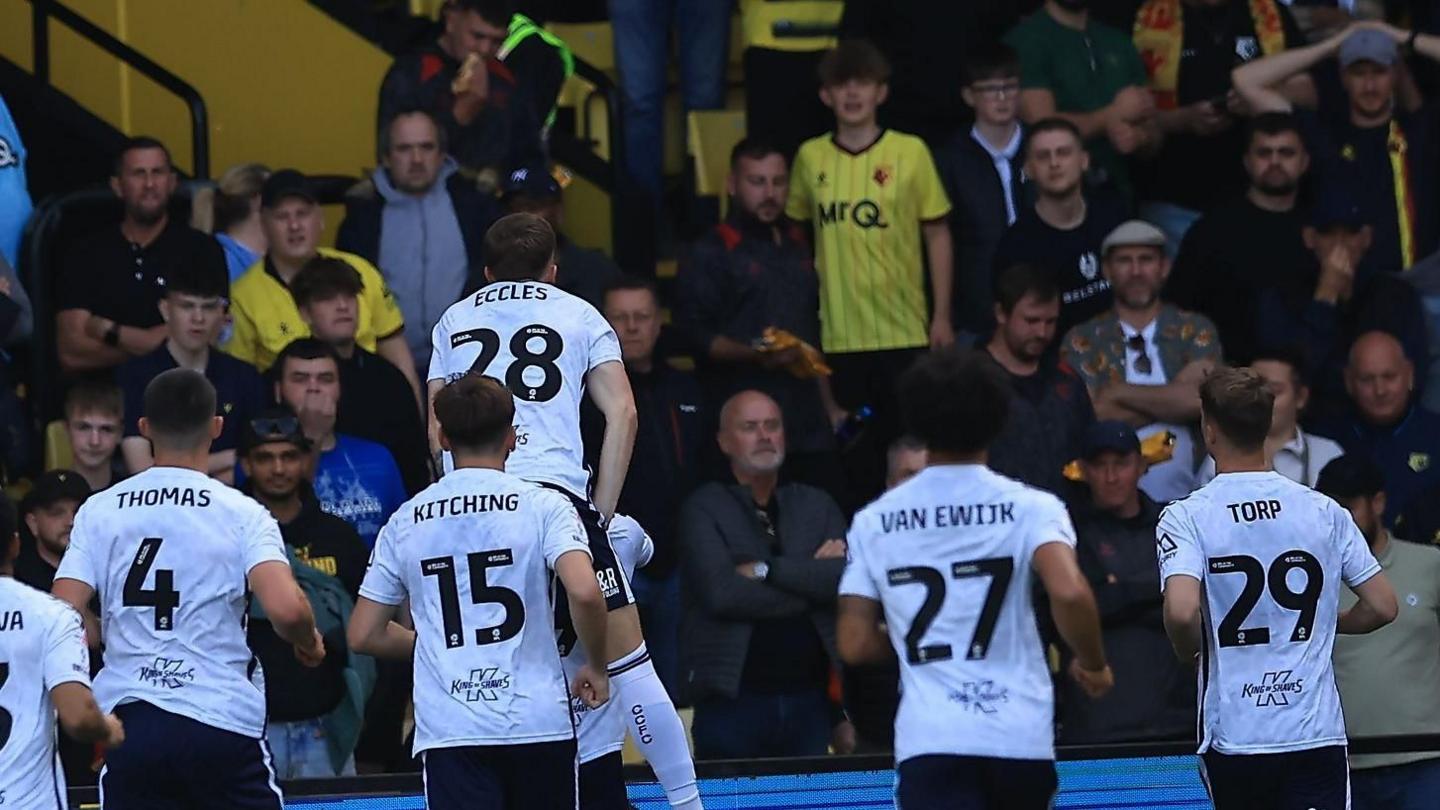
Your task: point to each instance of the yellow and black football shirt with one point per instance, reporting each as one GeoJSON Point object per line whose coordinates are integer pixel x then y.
{"type": "Point", "coordinates": [867, 208]}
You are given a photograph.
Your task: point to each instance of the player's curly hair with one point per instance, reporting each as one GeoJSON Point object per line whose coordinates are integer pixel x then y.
{"type": "Point", "coordinates": [954, 401]}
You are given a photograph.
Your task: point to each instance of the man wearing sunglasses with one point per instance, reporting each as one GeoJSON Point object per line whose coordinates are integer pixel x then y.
{"type": "Point", "coordinates": [1143, 361]}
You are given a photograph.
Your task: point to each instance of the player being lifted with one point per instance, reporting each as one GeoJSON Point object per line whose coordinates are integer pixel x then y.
{"type": "Point", "coordinates": [549, 348]}
{"type": "Point", "coordinates": [473, 553]}
{"type": "Point", "coordinates": [44, 672]}
{"type": "Point", "coordinates": [171, 551]}
{"type": "Point", "coordinates": [1250, 566]}
{"type": "Point", "coordinates": [947, 557]}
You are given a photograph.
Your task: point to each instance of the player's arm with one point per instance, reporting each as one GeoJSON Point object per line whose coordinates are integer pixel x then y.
{"type": "Point", "coordinates": [374, 631]}
{"type": "Point", "coordinates": [288, 610]}
{"type": "Point", "coordinates": [857, 632]}
{"type": "Point", "coordinates": [589, 615]}
{"type": "Point", "coordinates": [610, 391]}
{"type": "Point", "coordinates": [81, 717]}
{"type": "Point", "coordinates": [1182, 616]}
{"type": "Point", "coordinates": [1072, 607]}
{"type": "Point", "coordinates": [1377, 607]}
{"type": "Point", "coordinates": [77, 594]}
{"type": "Point", "coordinates": [433, 387]}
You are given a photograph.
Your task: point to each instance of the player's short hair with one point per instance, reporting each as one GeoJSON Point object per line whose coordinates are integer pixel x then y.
{"type": "Point", "coordinates": [1239, 404]}
{"type": "Point", "coordinates": [519, 246]}
{"type": "Point", "coordinates": [1292, 356]}
{"type": "Point", "coordinates": [954, 401]}
{"type": "Point", "coordinates": [306, 348]}
{"type": "Point", "coordinates": [753, 148]}
{"type": "Point", "coordinates": [94, 396]}
{"type": "Point", "coordinates": [385, 140]}
{"type": "Point", "coordinates": [495, 12]}
{"type": "Point", "coordinates": [1352, 475]}
{"type": "Point", "coordinates": [136, 143]}
{"type": "Point", "coordinates": [1016, 281]}
{"type": "Point", "coordinates": [323, 278]}
{"type": "Point", "coordinates": [856, 59]}
{"type": "Point", "coordinates": [994, 60]}
{"type": "Point", "coordinates": [474, 412]}
{"type": "Point", "coordinates": [1045, 125]}
{"type": "Point", "coordinates": [1272, 123]}
{"type": "Point", "coordinates": [179, 405]}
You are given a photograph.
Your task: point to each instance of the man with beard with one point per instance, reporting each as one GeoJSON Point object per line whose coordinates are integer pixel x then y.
{"type": "Point", "coordinates": [1144, 360]}
{"type": "Point", "coordinates": [1388, 155]}
{"type": "Point", "coordinates": [1063, 230]}
{"type": "Point", "coordinates": [761, 562]}
{"type": "Point", "coordinates": [275, 458]}
{"type": "Point", "coordinates": [1050, 410]}
{"type": "Point", "coordinates": [1250, 243]}
{"type": "Point", "coordinates": [753, 272]}
{"type": "Point", "coordinates": [1399, 697]}
{"type": "Point", "coordinates": [48, 512]}
{"type": "Point", "coordinates": [111, 283]}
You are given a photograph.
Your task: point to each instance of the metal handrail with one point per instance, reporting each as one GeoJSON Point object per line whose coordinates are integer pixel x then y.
{"type": "Point", "coordinates": [42, 11]}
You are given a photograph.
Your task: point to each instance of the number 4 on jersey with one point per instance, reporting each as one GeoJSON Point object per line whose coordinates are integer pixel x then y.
{"type": "Point", "coordinates": [164, 598]}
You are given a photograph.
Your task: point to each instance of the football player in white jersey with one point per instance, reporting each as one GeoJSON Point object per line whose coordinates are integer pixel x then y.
{"type": "Point", "coordinates": [601, 732]}
{"type": "Point", "coordinates": [1251, 566]}
{"type": "Point", "coordinates": [44, 672]}
{"type": "Point", "coordinates": [945, 561]}
{"type": "Point", "coordinates": [550, 348]}
{"type": "Point", "coordinates": [474, 555]}
{"type": "Point", "coordinates": [171, 551]}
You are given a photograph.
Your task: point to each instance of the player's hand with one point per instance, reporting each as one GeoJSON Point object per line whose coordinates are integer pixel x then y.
{"type": "Point", "coordinates": [832, 549]}
{"type": "Point", "coordinates": [312, 654]}
{"type": "Point", "coordinates": [592, 686]}
{"type": "Point", "coordinates": [941, 333]}
{"type": "Point", "coordinates": [1095, 683]}
{"type": "Point", "coordinates": [114, 732]}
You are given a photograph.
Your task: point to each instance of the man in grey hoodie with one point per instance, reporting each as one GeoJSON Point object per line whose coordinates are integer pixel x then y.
{"type": "Point", "coordinates": [423, 224]}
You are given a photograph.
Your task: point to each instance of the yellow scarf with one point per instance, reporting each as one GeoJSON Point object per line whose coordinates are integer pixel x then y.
{"type": "Point", "coordinates": [1160, 38]}
{"type": "Point", "coordinates": [1398, 147]}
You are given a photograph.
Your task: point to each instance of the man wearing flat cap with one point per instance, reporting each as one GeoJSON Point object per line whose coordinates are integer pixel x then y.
{"type": "Point", "coordinates": [1383, 144]}
{"type": "Point", "coordinates": [1143, 361]}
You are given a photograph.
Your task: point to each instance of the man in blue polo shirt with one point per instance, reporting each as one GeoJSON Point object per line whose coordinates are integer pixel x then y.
{"type": "Point", "coordinates": [193, 309]}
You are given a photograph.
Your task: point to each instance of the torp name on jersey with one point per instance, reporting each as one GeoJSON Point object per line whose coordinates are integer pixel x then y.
{"type": "Point", "coordinates": [948, 516]}
{"type": "Point", "coordinates": [517, 292]}
{"type": "Point", "coordinates": [466, 504]}
{"type": "Point", "coordinates": [168, 496]}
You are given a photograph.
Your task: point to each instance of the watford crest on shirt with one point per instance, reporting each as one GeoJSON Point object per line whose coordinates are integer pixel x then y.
{"type": "Point", "coordinates": [1419, 462]}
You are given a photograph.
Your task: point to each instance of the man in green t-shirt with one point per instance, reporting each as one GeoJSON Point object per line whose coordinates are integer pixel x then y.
{"type": "Point", "coordinates": [1091, 75]}
{"type": "Point", "coordinates": [1389, 680]}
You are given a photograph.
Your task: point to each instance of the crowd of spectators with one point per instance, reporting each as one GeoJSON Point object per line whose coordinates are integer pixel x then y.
{"type": "Point", "coordinates": [1107, 214]}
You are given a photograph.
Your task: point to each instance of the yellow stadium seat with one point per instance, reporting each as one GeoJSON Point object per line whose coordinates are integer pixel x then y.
{"type": "Point", "coordinates": [711, 136]}
{"type": "Point", "coordinates": [58, 455]}
{"type": "Point", "coordinates": [592, 42]}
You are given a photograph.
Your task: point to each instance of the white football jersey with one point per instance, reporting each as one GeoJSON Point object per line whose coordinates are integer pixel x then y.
{"type": "Point", "coordinates": [42, 645]}
{"type": "Point", "coordinates": [541, 342]}
{"type": "Point", "coordinates": [602, 730]}
{"type": "Point", "coordinates": [170, 551]}
{"type": "Point", "coordinates": [1270, 554]}
{"type": "Point", "coordinates": [947, 554]}
{"type": "Point", "coordinates": [474, 554]}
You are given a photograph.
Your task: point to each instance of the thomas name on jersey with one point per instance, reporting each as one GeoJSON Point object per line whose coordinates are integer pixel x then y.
{"type": "Point", "coordinates": [466, 505]}
{"type": "Point", "coordinates": [167, 496]}
{"type": "Point", "coordinates": [946, 516]}
{"type": "Point", "coordinates": [523, 292]}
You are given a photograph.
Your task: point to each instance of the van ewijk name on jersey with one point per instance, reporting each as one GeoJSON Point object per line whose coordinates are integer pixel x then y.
{"type": "Point", "coordinates": [947, 515]}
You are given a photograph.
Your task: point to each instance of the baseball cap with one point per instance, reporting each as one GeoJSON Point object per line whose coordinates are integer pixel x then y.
{"type": "Point", "coordinates": [1134, 232]}
{"type": "Point", "coordinates": [536, 182]}
{"type": "Point", "coordinates": [1350, 476]}
{"type": "Point", "coordinates": [1335, 206]}
{"type": "Point", "coordinates": [53, 486]}
{"type": "Point", "coordinates": [286, 183]}
{"type": "Point", "coordinates": [1369, 45]}
{"type": "Point", "coordinates": [272, 425]}
{"type": "Point", "coordinates": [1109, 435]}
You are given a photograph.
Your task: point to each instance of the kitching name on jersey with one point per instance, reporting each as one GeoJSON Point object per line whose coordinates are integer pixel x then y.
{"type": "Point", "coordinates": [948, 555]}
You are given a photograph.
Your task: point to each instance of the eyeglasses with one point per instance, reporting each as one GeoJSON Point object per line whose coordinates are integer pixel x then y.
{"type": "Point", "coordinates": [1136, 343]}
{"type": "Point", "coordinates": [996, 90]}
{"type": "Point", "coordinates": [275, 426]}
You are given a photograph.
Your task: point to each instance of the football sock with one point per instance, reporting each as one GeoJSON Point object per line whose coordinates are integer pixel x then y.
{"type": "Point", "coordinates": [656, 728]}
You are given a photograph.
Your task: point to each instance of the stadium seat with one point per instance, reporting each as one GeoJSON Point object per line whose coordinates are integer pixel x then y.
{"type": "Point", "coordinates": [58, 455]}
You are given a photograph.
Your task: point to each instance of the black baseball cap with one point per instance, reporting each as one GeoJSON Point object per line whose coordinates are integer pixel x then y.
{"type": "Point", "coordinates": [1351, 476]}
{"type": "Point", "coordinates": [536, 182]}
{"type": "Point", "coordinates": [1336, 207]}
{"type": "Point", "coordinates": [272, 425]}
{"type": "Point", "coordinates": [286, 183]}
{"type": "Point", "coordinates": [54, 486]}
{"type": "Point", "coordinates": [1109, 435]}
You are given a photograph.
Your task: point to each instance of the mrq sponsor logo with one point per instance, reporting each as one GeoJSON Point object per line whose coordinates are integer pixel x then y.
{"type": "Point", "coordinates": [483, 684]}
{"type": "Point", "coordinates": [1274, 689]}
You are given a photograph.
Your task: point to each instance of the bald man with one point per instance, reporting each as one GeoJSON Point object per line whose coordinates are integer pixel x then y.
{"type": "Point", "coordinates": [1385, 421]}
{"type": "Point", "coordinates": [760, 562]}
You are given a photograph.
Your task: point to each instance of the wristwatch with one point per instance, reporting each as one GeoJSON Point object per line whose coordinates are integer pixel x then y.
{"type": "Point", "coordinates": [112, 335]}
{"type": "Point", "coordinates": [762, 570]}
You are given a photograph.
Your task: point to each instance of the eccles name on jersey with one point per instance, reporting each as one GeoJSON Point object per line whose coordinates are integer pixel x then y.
{"type": "Point", "coordinates": [945, 516]}
{"type": "Point", "coordinates": [457, 505]}
{"type": "Point", "coordinates": [520, 292]}
{"type": "Point", "coordinates": [167, 496]}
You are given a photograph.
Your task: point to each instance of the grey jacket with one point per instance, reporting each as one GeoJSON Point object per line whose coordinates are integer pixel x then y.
{"type": "Point", "coordinates": [718, 531]}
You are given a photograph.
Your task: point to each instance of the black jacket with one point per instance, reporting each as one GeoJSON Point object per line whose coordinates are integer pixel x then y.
{"type": "Point", "coordinates": [378, 404]}
{"type": "Point", "coordinates": [1049, 414]}
{"type": "Point", "coordinates": [978, 220]}
{"type": "Point", "coordinates": [718, 531]}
